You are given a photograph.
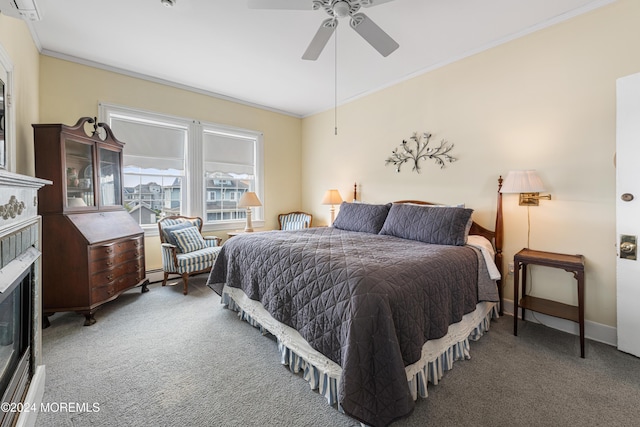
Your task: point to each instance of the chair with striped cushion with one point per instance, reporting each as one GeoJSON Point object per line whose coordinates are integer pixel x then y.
{"type": "Point", "coordinates": [185, 251]}
{"type": "Point", "coordinates": [294, 220]}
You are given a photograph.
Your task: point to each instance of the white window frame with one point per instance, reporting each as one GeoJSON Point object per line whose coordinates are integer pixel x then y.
{"type": "Point", "coordinates": [193, 197]}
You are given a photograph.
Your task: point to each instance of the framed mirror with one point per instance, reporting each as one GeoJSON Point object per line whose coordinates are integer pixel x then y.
{"type": "Point", "coordinates": [7, 117]}
{"type": "Point", "coordinates": [3, 143]}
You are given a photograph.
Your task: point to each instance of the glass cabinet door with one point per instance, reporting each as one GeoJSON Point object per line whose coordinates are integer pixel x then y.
{"type": "Point", "coordinates": [79, 174]}
{"type": "Point", "coordinates": [109, 175]}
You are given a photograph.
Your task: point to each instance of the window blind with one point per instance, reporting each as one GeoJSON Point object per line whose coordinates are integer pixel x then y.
{"type": "Point", "coordinates": [229, 154]}
{"type": "Point", "coordinates": [149, 145]}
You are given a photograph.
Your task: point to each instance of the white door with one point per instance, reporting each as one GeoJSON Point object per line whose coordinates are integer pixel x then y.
{"type": "Point", "coordinates": [628, 211]}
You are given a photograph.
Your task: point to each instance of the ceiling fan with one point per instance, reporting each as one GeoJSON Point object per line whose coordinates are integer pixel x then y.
{"type": "Point", "coordinates": [360, 22]}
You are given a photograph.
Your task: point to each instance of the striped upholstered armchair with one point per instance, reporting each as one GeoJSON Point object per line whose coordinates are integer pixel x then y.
{"type": "Point", "coordinates": [294, 220]}
{"type": "Point", "coordinates": [185, 251]}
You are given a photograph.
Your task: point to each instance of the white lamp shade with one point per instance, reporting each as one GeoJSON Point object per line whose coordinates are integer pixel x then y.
{"type": "Point", "coordinates": [249, 199]}
{"type": "Point", "coordinates": [522, 181]}
{"type": "Point", "coordinates": [332, 197]}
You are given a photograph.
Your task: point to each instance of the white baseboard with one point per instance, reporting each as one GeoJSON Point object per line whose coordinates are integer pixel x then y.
{"type": "Point", "coordinates": [34, 397]}
{"type": "Point", "coordinates": [592, 330]}
{"type": "Point", "coordinates": [155, 276]}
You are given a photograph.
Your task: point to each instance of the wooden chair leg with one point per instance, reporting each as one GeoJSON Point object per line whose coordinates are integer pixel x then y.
{"type": "Point", "coordinates": [185, 281]}
{"type": "Point", "coordinates": [164, 281]}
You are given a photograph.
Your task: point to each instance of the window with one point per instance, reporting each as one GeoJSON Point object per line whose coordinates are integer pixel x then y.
{"type": "Point", "coordinates": [229, 167]}
{"type": "Point", "coordinates": [177, 166]}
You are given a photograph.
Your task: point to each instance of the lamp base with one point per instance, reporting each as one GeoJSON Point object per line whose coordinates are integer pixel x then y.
{"type": "Point", "coordinates": [248, 228]}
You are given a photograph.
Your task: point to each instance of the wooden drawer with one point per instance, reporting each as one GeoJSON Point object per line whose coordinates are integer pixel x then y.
{"type": "Point", "coordinates": [115, 260]}
{"type": "Point", "coordinates": [129, 244]}
{"type": "Point", "coordinates": [132, 266]}
{"type": "Point", "coordinates": [116, 248]}
{"type": "Point", "coordinates": [102, 293]}
{"type": "Point", "coordinates": [106, 250]}
{"type": "Point", "coordinates": [102, 264]}
{"type": "Point", "coordinates": [111, 274]}
{"type": "Point", "coordinates": [128, 255]}
{"type": "Point", "coordinates": [121, 284]}
{"type": "Point", "coordinates": [128, 281]}
{"type": "Point", "coordinates": [104, 278]}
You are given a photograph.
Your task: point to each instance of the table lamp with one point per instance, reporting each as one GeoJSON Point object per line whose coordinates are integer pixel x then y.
{"type": "Point", "coordinates": [249, 200]}
{"type": "Point", "coordinates": [332, 197]}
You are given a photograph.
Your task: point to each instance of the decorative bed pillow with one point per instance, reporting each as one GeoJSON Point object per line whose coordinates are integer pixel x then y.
{"type": "Point", "coordinates": [361, 217]}
{"type": "Point", "coordinates": [168, 231]}
{"type": "Point", "coordinates": [438, 225]}
{"type": "Point", "coordinates": [188, 239]}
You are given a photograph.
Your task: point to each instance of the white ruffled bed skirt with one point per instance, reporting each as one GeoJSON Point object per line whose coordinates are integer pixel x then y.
{"type": "Point", "coordinates": [324, 375]}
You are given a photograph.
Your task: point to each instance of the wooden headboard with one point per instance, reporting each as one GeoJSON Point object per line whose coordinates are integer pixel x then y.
{"type": "Point", "coordinates": [496, 237]}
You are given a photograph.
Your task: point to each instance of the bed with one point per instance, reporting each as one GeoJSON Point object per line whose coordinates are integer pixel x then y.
{"type": "Point", "coordinates": [375, 307]}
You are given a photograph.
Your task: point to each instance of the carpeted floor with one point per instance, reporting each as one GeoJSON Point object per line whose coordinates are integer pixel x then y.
{"type": "Point", "coordinates": [164, 359]}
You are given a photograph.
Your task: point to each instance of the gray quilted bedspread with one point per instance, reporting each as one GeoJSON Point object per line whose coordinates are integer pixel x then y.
{"type": "Point", "coordinates": [368, 302]}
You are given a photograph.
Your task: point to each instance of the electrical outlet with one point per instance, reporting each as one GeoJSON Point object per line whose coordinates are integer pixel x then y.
{"type": "Point", "coordinates": [511, 269]}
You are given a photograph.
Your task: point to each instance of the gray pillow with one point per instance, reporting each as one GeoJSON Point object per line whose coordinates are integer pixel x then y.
{"type": "Point", "coordinates": [168, 231]}
{"type": "Point", "coordinates": [438, 225]}
{"type": "Point", "coordinates": [361, 217]}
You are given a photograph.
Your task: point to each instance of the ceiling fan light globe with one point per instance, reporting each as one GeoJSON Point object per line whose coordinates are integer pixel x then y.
{"type": "Point", "coordinates": [341, 9]}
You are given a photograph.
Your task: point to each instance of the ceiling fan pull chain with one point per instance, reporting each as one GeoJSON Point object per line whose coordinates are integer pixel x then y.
{"type": "Point", "coordinates": [335, 82]}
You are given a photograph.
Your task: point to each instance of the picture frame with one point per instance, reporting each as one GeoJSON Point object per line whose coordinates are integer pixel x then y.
{"type": "Point", "coordinates": [7, 113]}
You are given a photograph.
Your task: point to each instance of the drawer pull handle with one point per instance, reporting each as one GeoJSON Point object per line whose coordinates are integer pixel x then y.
{"type": "Point", "coordinates": [110, 277]}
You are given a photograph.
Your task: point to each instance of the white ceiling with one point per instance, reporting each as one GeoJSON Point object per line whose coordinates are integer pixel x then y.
{"type": "Point", "coordinates": [254, 56]}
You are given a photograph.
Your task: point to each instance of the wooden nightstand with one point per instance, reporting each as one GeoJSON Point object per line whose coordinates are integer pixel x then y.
{"type": "Point", "coordinates": [570, 263]}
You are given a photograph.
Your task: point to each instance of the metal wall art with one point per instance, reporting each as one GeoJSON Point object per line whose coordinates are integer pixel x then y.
{"type": "Point", "coordinates": [419, 150]}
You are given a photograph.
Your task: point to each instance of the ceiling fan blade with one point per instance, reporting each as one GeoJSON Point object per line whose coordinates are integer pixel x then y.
{"type": "Point", "coordinates": [320, 39]}
{"type": "Point", "coordinates": [280, 4]}
{"type": "Point", "coordinates": [370, 3]}
{"type": "Point", "coordinates": [373, 34]}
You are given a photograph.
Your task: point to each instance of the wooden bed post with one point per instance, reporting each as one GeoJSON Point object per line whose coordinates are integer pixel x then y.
{"type": "Point", "coordinates": [499, 238]}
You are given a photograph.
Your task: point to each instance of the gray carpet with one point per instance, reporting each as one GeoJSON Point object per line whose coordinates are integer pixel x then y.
{"type": "Point", "coordinates": [164, 359]}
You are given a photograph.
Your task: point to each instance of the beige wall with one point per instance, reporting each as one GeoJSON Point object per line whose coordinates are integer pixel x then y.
{"type": "Point", "coordinates": [545, 101]}
{"type": "Point", "coordinates": [69, 91]}
{"type": "Point", "coordinates": [17, 41]}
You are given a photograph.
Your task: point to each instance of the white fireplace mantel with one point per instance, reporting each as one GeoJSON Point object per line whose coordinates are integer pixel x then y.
{"type": "Point", "coordinates": [19, 249]}
{"type": "Point", "coordinates": [18, 199]}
